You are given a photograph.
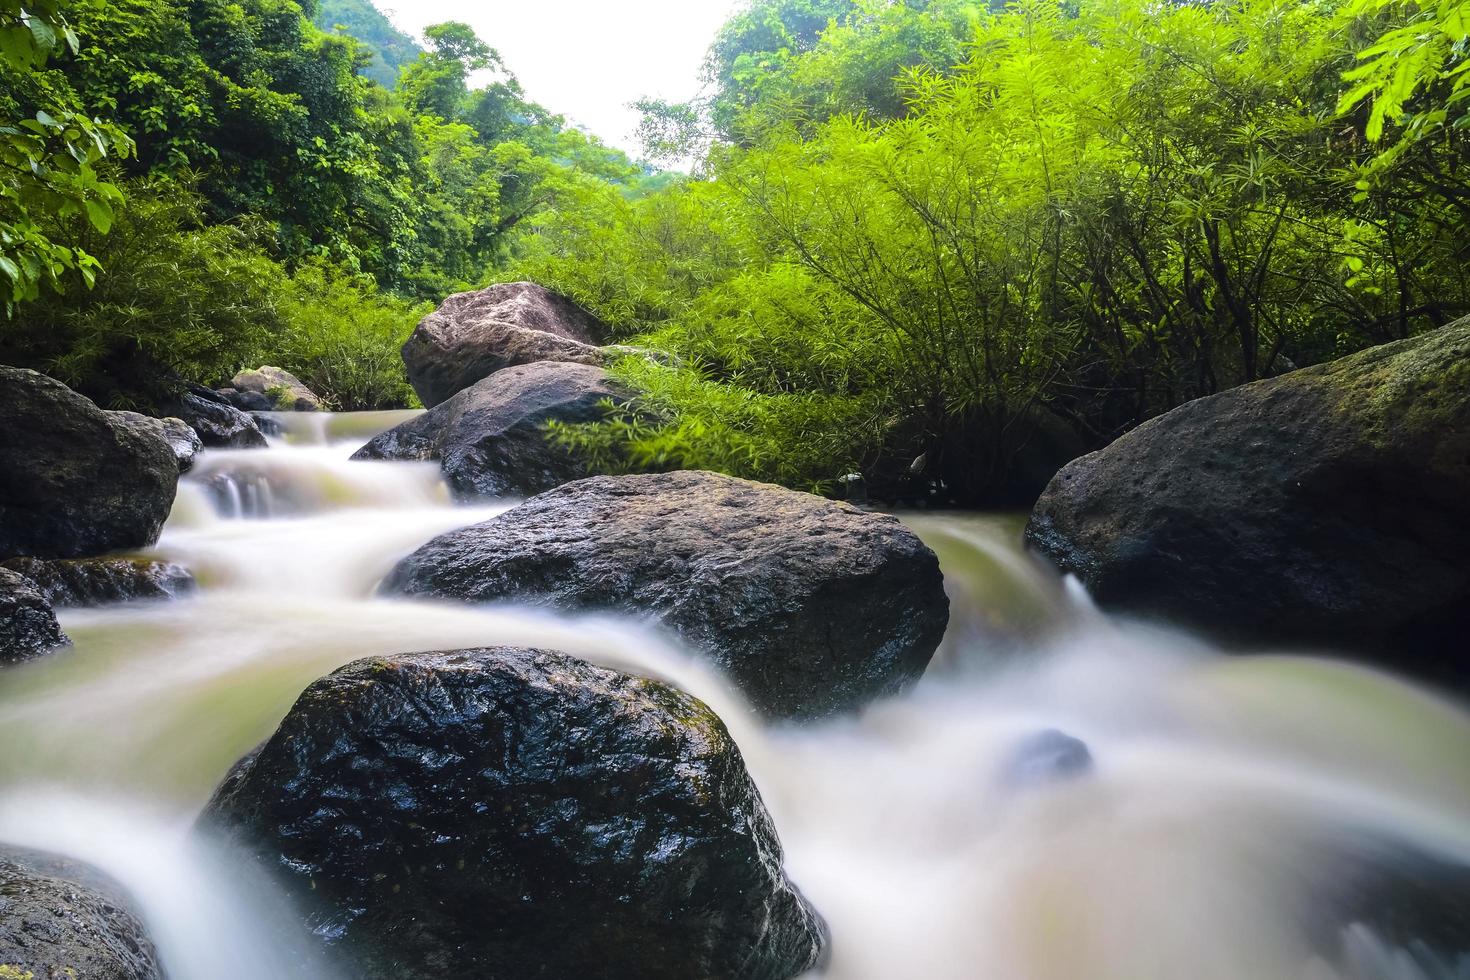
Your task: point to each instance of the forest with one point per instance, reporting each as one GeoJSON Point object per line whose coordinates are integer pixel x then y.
{"type": "Point", "coordinates": [945, 237]}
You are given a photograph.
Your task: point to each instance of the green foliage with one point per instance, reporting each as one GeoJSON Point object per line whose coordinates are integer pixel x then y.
{"type": "Point", "coordinates": [181, 300]}
{"type": "Point", "coordinates": [390, 48]}
{"type": "Point", "coordinates": [1425, 50]}
{"type": "Point", "coordinates": [909, 246]}
{"type": "Point", "coordinates": [50, 149]}
{"type": "Point", "coordinates": [342, 338]}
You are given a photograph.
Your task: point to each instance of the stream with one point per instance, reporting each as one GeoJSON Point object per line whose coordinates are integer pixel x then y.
{"type": "Point", "coordinates": [1234, 809]}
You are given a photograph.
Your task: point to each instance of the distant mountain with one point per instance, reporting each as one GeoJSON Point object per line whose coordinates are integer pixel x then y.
{"type": "Point", "coordinates": [392, 49]}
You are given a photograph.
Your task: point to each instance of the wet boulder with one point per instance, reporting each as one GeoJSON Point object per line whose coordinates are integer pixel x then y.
{"type": "Point", "coordinates": [277, 390]}
{"type": "Point", "coordinates": [507, 813]}
{"type": "Point", "coordinates": [95, 581]}
{"type": "Point", "coordinates": [809, 606]}
{"type": "Point", "coordinates": [182, 440]}
{"type": "Point", "coordinates": [64, 920]}
{"type": "Point", "coordinates": [473, 335]}
{"type": "Point", "coordinates": [219, 424]}
{"type": "Point", "coordinates": [28, 626]}
{"type": "Point", "coordinates": [1329, 506]}
{"type": "Point", "coordinates": [491, 439]}
{"type": "Point", "coordinates": [76, 480]}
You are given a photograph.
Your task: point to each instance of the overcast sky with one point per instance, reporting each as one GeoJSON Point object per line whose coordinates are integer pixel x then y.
{"type": "Point", "coordinates": [587, 59]}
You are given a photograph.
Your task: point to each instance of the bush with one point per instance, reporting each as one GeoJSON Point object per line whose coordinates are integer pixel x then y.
{"type": "Point", "coordinates": [342, 338]}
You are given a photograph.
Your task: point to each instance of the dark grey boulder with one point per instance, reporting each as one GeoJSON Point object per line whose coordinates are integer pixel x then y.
{"type": "Point", "coordinates": [247, 401]}
{"type": "Point", "coordinates": [219, 424]}
{"type": "Point", "coordinates": [95, 581]}
{"type": "Point", "coordinates": [76, 480]}
{"type": "Point", "coordinates": [1329, 506]}
{"type": "Point", "coordinates": [64, 920]}
{"type": "Point", "coordinates": [181, 439]}
{"type": "Point", "coordinates": [28, 626]}
{"type": "Point", "coordinates": [473, 335]}
{"type": "Point", "coordinates": [507, 813]}
{"type": "Point", "coordinates": [491, 439]}
{"type": "Point", "coordinates": [810, 606]}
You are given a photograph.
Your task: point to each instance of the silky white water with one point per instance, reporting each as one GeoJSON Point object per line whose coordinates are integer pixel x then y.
{"type": "Point", "coordinates": [1228, 801]}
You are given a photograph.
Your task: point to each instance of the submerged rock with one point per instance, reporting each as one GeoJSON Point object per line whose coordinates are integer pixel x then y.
{"type": "Point", "coordinates": [64, 920]}
{"type": "Point", "coordinates": [810, 606]}
{"type": "Point", "coordinates": [278, 390]}
{"type": "Point", "coordinates": [219, 424]}
{"type": "Point", "coordinates": [473, 335]}
{"type": "Point", "coordinates": [76, 480]}
{"type": "Point", "coordinates": [1326, 506]}
{"type": "Point", "coordinates": [94, 581]}
{"type": "Point", "coordinates": [491, 439]}
{"type": "Point", "coordinates": [1046, 757]}
{"type": "Point", "coordinates": [507, 813]}
{"type": "Point", "coordinates": [28, 626]}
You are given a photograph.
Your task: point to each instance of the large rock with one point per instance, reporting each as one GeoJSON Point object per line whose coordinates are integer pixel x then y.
{"type": "Point", "coordinates": [28, 626]}
{"type": "Point", "coordinates": [219, 424]}
{"type": "Point", "coordinates": [75, 480]}
{"type": "Point", "coordinates": [1326, 506]}
{"type": "Point", "coordinates": [94, 581]}
{"type": "Point", "coordinates": [491, 439]}
{"type": "Point", "coordinates": [279, 390]}
{"type": "Point", "coordinates": [473, 335]}
{"type": "Point", "coordinates": [508, 813]}
{"type": "Point", "coordinates": [62, 920]}
{"type": "Point", "coordinates": [810, 606]}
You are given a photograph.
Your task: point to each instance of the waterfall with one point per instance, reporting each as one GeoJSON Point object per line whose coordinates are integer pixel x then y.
{"type": "Point", "coordinates": [1224, 798]}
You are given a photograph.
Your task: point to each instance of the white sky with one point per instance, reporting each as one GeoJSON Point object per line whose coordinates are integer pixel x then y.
{"type": "Point", "coordinates": [587, 59]}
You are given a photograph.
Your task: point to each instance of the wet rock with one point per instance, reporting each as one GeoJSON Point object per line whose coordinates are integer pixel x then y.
{"type": "Point", "coordinates": [184, 441]}
{"type": "Point", "coordinates": [28, 626]}
{"type": "Point", "coordinates": [76, 480]}
{"type": "Point", "coordinates": [219, 424]}
{"type": "Point", "coordinates": [810, 606]}
{"type": "Point", "coordinates": [280, 390]}
{"type": "Point", "coordinates": [1046, 757]}
{"type": "Point", "coordinates": [491, 439]}
{"type": "Point", "coordinates": [94, 581]}
{"type": "Point", "coordinates": [473, 335]}
{"type": "Point", "coordinates": [63, 920]}
{"type": "Point", "coordinates": [1378, 906]}
{"type": "Point", "coordinates": [246, 401]}
{"type": "Point", "coordinates": [508, 813]}
{"type": "Point", "coordinates": [1326, 507]}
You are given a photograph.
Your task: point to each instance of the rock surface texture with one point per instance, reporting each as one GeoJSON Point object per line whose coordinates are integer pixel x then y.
{"type": "Point", "coordinates": [28, 626]}
{"type": "Point", "coordinates": [473, 335]}
{"type": "Point", "coordinates": [279, 390]}
{"type": "Point", "coordinates": [63, 920]}
{"type": "Point", "coordinates": [491, 439]}
{"type": "Point", "coordinates": [810, 606]}
{"type": "Point", "coordinates": [94, 581]}
{"type": "Point", "coordinates": [1329, 506]}
{"type": "Point", "coordinates": [219, 424]}
{"type": "Point", "coordinates": [508, 813]}
{"type": "Point", "coordinates": [75, 480]}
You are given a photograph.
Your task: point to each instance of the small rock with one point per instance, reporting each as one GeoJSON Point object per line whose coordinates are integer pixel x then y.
{"type": "Point", "coordinates": [95, 581]}
{"type": "Point", "coordinates": [28, 626]}
{"type": "Point", "coordinates": [491, 439]}
{"type": "Point", "coordinates": [1048, 756]}
{"type": "Point", "coordinates": [219, 424]}
{"type": "Point", "coordinates": [281, 390]}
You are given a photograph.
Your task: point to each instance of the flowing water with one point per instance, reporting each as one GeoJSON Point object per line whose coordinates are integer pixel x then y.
{"type": "Point", "coordinates": [1236, 822]}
